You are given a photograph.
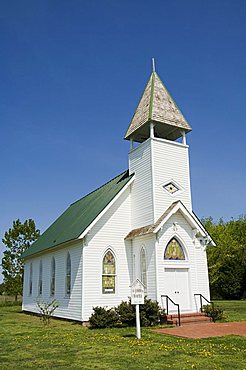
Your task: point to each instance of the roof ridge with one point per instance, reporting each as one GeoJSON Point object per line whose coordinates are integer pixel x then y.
{"type": "Point", "coordinates": [78, 216]}
{"type": "Point", "coordinates": [124, 172]}
{"type": "Point", "coordinates": [151, 95]}
{"type": "Point", "coordinates": [134, 114]}
{"type": "Point", "coordinates": [170, 96]}
{"type": "Point", "coordinates": [147, 229]}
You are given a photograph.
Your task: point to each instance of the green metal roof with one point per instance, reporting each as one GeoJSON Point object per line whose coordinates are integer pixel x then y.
{"type": "Point", "coordinates": [71, 224]}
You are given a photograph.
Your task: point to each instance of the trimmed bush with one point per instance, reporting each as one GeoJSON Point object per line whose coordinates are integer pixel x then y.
{"type": "Point", "coordinates": [125, 315]}
{"type": "Point", "coordinates": [150, 312]}
{"type": "Point", "coordinates": [103, 318]}
{"type": "Point", "coordinates": [214, 312]}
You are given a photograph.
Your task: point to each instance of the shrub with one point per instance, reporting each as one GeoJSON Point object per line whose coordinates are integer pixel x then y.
{"type": "Point", "coordinates": [127, 313]}
{"type": "Point", "coordinates": [150, 312]}
{"type": "Point", "coordinates": [103, 318]}
{"type": "Point", "coordinates": [214, 312]}
{"type": "Point", "coordinates": [46, 310]}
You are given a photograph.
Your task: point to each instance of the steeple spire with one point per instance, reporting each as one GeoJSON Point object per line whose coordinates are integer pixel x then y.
{"type": "Point", "coordinates": [153, 64]}
{"type": "Point", "coordinates": [157, 106]}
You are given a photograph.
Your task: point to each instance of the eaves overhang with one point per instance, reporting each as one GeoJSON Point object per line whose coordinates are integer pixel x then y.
{"type": "Point", "coordinates": [154, 228]}
{"type": "Point", "coordinates": [85, 232]}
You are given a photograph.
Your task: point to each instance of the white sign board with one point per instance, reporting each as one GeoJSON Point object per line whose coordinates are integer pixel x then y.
{"type": "Point", "coordinates": [137, 292]}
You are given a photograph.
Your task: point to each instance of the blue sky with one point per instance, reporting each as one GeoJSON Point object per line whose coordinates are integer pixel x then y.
{"type": "Point", "coordinates": [71, 75]}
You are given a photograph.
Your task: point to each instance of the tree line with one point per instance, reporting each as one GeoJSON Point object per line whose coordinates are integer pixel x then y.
{"type": "Point", "coordinates": [16, 240]}
{"type": "Point", "coordinates": [226, 260]}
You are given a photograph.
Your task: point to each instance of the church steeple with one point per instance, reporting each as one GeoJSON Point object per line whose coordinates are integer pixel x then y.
{"type": "Point", "coordinates": [157, 106]}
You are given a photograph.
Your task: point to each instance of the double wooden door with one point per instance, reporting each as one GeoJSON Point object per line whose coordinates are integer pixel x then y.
{"type": "Point", "coordinates": [176, 282]}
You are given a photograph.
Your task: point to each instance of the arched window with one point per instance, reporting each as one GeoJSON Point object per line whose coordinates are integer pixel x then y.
{"type": "Point", "coordinates": [143, 268]}
{"type": "Point", "coordinates": [52, 277]}
{"type": "Point", "coordinates": [174, 250]}
{"type": "Point", "coordinates": [30, 279]}
{"type": "Point", "coordinates": [40, 279]}
{"type": "Point", "coordinates": [68, 275]}
{"type": "Point", "coordinates": [108, 273]}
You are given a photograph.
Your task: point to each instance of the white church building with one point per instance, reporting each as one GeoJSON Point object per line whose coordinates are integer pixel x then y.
{"type": "Point", "coordinates": [139, 225]}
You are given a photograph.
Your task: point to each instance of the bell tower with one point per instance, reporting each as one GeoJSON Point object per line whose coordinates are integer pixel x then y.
{"type": "Point", "coordinates": [160, 163]}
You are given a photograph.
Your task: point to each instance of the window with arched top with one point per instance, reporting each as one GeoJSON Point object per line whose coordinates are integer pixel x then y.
{"type": "Point", "coordinates": [30, 279]}
{"type": "Point", "coordinates": [143, 268]}
{"type": "Point", "coordinates": [40, 279]}
{"type": "Point", "coordinates": [68, 275]}
{"type": "Point", "coordinates": [174, 250]}
{"type": "Point", "coordinates": [108, 273]}
{"type": "Point", "coordinates": [52, 277]}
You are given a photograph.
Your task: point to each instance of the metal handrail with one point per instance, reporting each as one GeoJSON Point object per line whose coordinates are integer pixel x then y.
{"type": "Point", "coordinates": [202, 297]}
{"type": "Point", "coordinates": [176, 304]}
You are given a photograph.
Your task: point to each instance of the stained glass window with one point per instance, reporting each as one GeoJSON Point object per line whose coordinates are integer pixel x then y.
{"type": "Point", "coordinates": [53, 277]}
{"type": "Point", "coordinates": [109, 273]}
{"type": "Point", "coordinates": [143, 267]}
{"type": "Point", "coordinates": [40, 280]}
{"type": "Point", "coordinates": [171, 188]}
{"type": "Point", "coordinates": [174, 251]}
{"type": "Point", "coordinates": [30, 280]}
{"type": "Point", "coordinates": [68, 275]}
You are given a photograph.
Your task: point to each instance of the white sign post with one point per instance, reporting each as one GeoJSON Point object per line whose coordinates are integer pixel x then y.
{"type": "Point", "coordinates": [137, 298]}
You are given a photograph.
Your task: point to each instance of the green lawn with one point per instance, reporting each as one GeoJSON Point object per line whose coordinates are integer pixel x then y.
{"type": "Point", "coordinates": [26, 343]}
{"type": "Point", "coordinates": [233, 310]}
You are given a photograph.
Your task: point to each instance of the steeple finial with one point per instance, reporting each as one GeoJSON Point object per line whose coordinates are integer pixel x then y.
{"type": "Point", "coordinates": [153, 64]}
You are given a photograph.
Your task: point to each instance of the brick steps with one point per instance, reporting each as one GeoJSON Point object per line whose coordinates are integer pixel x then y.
{"type": "Point", "coordinates": [188, 318]}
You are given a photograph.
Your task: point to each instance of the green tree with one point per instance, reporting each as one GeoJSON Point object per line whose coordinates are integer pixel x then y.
{"type": "Point", "coordinates": [2, 288]}
{"type": "Point", "coordinates": [227, 260]}
{"type": "Point", "coordinates": [16, 241]}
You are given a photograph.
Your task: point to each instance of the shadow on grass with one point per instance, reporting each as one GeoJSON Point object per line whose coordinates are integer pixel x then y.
{"type": "Point", "coordinates": [23, 313]}
{"type": "Point", "coordinates": [129, 336]}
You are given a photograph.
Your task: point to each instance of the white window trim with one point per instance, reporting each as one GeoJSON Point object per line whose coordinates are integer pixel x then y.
{"type": "Point", "coordinates": [40, 278]}
{"type": "Point", "coordinates": [142, 248]}
{"type": "Point", "coordinates": [68, 295]}
{"type": "Point", "coordinates": [30, 286]}
{"type": "Point", "coordinates": [178, 186]}
{"type": "Point", "coordinates": [181, 242]}
{"type": "Point", "coordinates": [51, 276]}
{"type": "Point", "coordinates": [109, 248]}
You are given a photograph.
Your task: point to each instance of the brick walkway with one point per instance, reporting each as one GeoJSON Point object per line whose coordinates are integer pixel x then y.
{"type": "Point", "coordinates": [206, 330]}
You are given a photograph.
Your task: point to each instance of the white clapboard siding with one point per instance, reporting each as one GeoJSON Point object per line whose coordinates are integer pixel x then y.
{"type": "Point", "coordinates": [69, 307]}
{"type": "Point", "coordinates": [108, 233]}
{"type": "Point", "coordinates": [148, 243]}
{"type": "Point", "coordinates": [196, 262]}
{"type": "Point", "coordinates": [170, 163]}
{"type": "Point", "coordinates": [142, 195]}
{"type": "Point", "coordinates": [202, 270]}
